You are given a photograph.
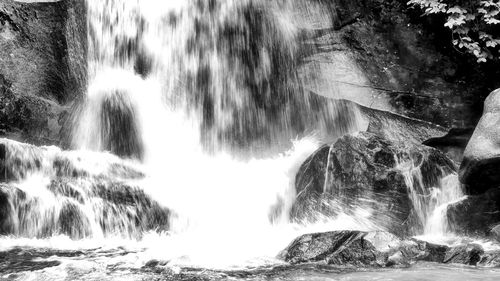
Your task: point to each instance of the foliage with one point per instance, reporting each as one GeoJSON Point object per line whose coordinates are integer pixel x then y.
{"type": "Point", "coordinates": [472, 22]}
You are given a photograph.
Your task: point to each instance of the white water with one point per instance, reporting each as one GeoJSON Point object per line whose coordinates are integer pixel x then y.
{"type": "Point", "coordinates": [223, 206]}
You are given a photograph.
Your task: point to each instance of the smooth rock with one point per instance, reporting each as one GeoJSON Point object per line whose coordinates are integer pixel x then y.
{"type": "Point", "coordinates": [481, 163]}
{"type": "Point", "coordinates": [380, 249]}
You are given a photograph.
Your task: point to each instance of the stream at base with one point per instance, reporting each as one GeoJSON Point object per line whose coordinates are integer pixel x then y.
{"type": "Point", "coordinates": [122, 264]}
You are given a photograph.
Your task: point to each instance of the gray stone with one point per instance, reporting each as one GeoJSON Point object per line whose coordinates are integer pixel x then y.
{"type": "Point", "coordinates": [476, 215]}
{"type": "Point", "coordinates": [481, 164]}
{"type": "Point", "coordinates": [380, 249]}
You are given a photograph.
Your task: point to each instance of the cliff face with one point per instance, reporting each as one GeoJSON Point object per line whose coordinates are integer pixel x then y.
{"type": "Point", "coordinates": [383, 54]}
{"type": "Point", "coordinates": [42, 67]}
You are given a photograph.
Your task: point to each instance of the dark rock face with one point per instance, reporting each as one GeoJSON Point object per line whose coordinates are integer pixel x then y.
{"type": "Point", "coordinates": [466, 254]}
{"type": "Point", "coordinates": [476, 215]}
{"type": "Point", "coordinates": [367, 168]}
{"type": "Point", "coordinates": [481, 163]}
{"type": "Point", "coordinates": [400, 55]}
{"type": "Point", "coordinates": [379, 249]}
{"type": "Point", "coordinates": [453, 143]}
{"type": "Point", "coordinates": [42, 67]}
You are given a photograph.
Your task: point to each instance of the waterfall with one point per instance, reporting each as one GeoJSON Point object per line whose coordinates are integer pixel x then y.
{"type": "Point", "coordinates": [189, 137]}
{"type": "Point", "coordinates": [430, 203]}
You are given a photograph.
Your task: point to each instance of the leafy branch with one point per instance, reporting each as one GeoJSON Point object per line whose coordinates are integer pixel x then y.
{"type": "Point", "coordinates": [472, 23]}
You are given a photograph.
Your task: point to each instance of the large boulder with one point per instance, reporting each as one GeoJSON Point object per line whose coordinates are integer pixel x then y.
{"type": "Point", "coordinates": [481, 163]}
{"type": "Point", "coordinates": [379, 249]}
{"type": "Point", "coordinates": [43, 66]}
{"type": "Point", "coordinates": [366, 171]}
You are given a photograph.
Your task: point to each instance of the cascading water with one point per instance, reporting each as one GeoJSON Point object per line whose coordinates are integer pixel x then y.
{"type": "Point", "coordinates": [189, 94]}
{"type": "Point", "coordinates": [186, 86]}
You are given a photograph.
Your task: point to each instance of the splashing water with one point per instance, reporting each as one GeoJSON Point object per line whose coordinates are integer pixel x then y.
{"type": "Point", "coordinates": [190, 95]}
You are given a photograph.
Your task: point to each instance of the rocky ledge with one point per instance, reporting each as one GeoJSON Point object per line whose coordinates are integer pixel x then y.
{"type": "Point", "coordinates": [381, 249]}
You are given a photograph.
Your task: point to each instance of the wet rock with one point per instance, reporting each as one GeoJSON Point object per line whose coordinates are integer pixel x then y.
{"type": "Point", "coordinates": [341, 248]}
{"type": "Point", "coordinates": [19, 260]}
{"type": "Point", "coordinates": [466, 254]}
{"type": "Point", "coordinates": [73, 222]}
{"type": "Point", "coordinates": [42, 67]}
{"type": "Point", "coordinates": [379, 249]}
{"type": "Point", "coordinates": [425, 251]}
{"type": "Point", "coordinates": [368, 171]}
{"type": "Point", "coordinates": [5, 211]}
{"type": "Point", "coordinates": [453, 143]}
{"type": "Point", "coordinates": [481, 163]}
{"type": "Point", "coordinates": [476, 215]}
{"type": "Point", "coordinates": [490, 259]}
{"type": "Point", "coordinates": [120, 133]}
{"type": "Point", "coordinates": [400, 128]}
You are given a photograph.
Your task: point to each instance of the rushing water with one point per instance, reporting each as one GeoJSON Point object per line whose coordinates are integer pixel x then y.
{"type": "Point", "coordinates": [186, 149]}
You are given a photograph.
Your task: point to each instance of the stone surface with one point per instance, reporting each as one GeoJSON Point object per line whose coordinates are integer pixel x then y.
{"type": "Point", "coordinates": [42, 67]}
{"type": "Point", "coordinates": [365, 170]}
{"type": "Point", "coordinates": [466, 254]}
{"type": "Point", "coordinates": [477, 214]}
{"type": "Point", "coordinates": [383, 54]}
{"type": "Point", "coordinates": [400, 128]}
{"type": "Point", "coordinates": [341, 248]}
{"type": "Point", "coordinates": [481, 164]}
{"type": "Point", "coordinates": [379, 249]}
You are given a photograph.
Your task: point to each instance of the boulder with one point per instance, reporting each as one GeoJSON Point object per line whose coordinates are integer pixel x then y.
{"type": "Point", "coordinates": [464, 254]}
{"type": "Point", "coordinates": [341, 248]}
{"type": "Point", "coordinates": [379, 249]}
{"type": "Point", "coordinates": [481, 163]}
{"type": "Point", "coordinates": [476, 215]}
{"type": "Point", "coordinates": [376, 174]}
{"type": "Point", "coordinates": [453, 143]}
{"type": "Point", "coordinates": [43, 67]}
